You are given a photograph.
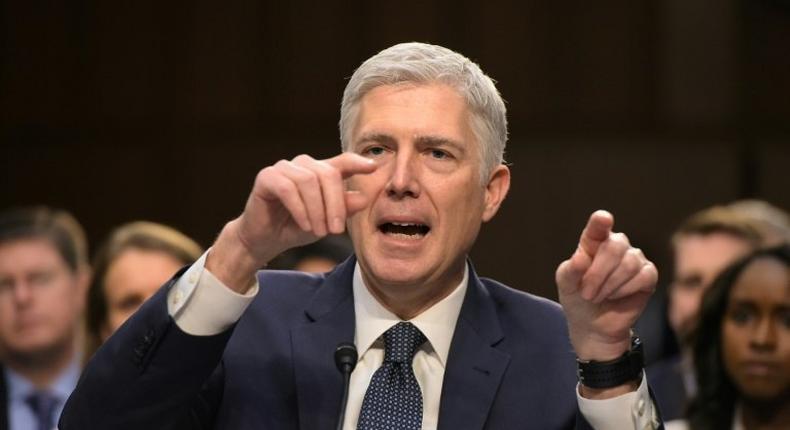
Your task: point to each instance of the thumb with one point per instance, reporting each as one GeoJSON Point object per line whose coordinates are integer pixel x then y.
{"type": "Point", "coordinates": [571, 271]}
{"type": "Point", "coordinates": [355, 202]}
{"type": "Point", "coordinates": [597, 230]}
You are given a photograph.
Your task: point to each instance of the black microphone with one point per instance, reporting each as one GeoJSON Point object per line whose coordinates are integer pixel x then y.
{"type": "Point", "coordinates": [345, 360]}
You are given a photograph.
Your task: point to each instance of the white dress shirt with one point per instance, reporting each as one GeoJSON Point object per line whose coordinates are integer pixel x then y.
{"type": "Point", "coordinates": [196, 298]}
{"type": "Point", "coordinates": [437, 323]}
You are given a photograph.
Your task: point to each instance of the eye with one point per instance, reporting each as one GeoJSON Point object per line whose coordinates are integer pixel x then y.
{"type": "Point", "coordinates": [41, 279]}
{"type": "Point", "coordinates": [373, 151]}
{"type": "Point", "coordinates": [689, 283]}
{"type": "Point", "coordinates": [439, 154]}
{"type": "Point", "coordinates": [130, 303]}
{"type": "Point", "coordinates": [740, 316]}
{"type": "Point", "coordinates": [6, 284]}
{"type": "Point", "coordinates": [784, 318]}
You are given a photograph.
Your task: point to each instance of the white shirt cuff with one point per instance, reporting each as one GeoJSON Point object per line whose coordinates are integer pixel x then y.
{"type": "Point", "coordinates": [634, 410]}
{"type": "Point", "coordinates": [202, 305]}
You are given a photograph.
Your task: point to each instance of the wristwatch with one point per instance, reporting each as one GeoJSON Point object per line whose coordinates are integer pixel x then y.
{"type": "Point", "coordinates": [606, 374]}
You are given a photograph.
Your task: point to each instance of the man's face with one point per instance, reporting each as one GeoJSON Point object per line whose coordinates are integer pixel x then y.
{"type": "Point", "coordinates": [41, 299]}
{"type": "Point", "coordinates": [133, 277]}
{"type": "Point", "coordinates": [756, 331]}
{"type": "Point", "coordinates": [698, 260]}
{"type": "Point", "coordinates": [427, 201]}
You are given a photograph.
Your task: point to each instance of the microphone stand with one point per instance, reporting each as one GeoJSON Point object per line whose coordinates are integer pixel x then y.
{"type": "Point", "coordinates": [345, 360]}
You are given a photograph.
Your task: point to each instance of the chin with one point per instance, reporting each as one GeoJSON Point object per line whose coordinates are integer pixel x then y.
{"type": "Point", "coordinates": [395, 272]}
{"type": "Point", "coordinates": [765, 391]}
{"type": "Point", "coordinates": [396, 276]}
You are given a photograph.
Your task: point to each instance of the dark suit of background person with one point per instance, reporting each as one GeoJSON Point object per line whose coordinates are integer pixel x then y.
{"type": "Point", "coordinates": [3, 401]}
{"type": "Point", "coordinates": [419, 182]}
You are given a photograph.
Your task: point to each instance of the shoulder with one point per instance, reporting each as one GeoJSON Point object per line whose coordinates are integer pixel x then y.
{"type": "Point", "coordinates": [525, 314]}
{"type": "Point", "coordinates": [522, 304]}
{"type": "Point", "coordinates": [289, 283]}
{"type": "Point", "coordinates": [284, 291]}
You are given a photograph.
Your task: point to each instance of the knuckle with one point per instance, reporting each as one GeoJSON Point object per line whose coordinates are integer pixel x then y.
{"type": "Point", "coordinates": [633, 260]}
{"type": "Point", "coordinates": [327, 173]}
{"type": "Point", "coordinates": [621, 239]}
{"type": "Point", "coordinates": [263, 177]}
{"type": "Point", "coordinates": [306, 177]}
{"type": "Point", "coordinates": [648, 274]}
{"type": "Point", "coordinates": [260, 178]}
{"type": "Point", "coordinates": [615, 245]}
{"type": "Point", "coordinates": [303, 159]}
{"type": "Point", "coordinates": [282, 188]}
{"type": "Point", "coordinates": [652, 271]}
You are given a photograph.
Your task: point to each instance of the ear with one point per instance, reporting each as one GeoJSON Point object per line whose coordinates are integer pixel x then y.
{"type": "Point", "coordinates": [496, 191]}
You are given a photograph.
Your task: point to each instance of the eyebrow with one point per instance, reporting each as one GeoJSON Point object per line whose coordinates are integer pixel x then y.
{"type": "Point", "coordinates": [375, 137]}
{"type": "Point", "coordinates": [440, 141]}
{"type": "Point", "coordinates": [425, 140]}
{"type": "Point", "coordinates": [752, 304]}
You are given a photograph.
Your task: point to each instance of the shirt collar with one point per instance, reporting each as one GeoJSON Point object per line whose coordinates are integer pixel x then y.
{"type": "Point", "coordinates": [737, 418]}
{"type": "Point", "coordinates": [437, 323]}
{"type": "Point", "coordinates": [19, 387]}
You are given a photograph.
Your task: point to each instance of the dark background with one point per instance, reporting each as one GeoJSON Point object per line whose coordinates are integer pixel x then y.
{"type": "Point", "coordinates": [165, 110]}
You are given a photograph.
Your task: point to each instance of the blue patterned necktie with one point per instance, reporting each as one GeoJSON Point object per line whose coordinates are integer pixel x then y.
{"type": "Point", "coordinates": [393, 400]}
{"type": "Point", "coordinates": [43, 405]}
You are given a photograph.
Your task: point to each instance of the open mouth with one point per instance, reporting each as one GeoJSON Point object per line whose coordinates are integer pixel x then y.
{"type": "Point", "coordinates": [405, 230]}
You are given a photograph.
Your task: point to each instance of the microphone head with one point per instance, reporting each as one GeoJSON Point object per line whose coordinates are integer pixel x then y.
{"type": "Point", "coordinates": [346, 357]}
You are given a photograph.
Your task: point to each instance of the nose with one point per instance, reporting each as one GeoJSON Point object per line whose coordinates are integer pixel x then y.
{"type": "Point", "coordinates": [764, 334]}
{"type": "Point", "coordinates": [404, 177]}
{"type": "Point", "coordinates": [21, 294]}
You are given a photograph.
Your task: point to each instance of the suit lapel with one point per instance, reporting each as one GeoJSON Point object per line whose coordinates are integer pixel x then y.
{"type": "Point", "coordinates": [330, 317]}
{"type": "Point", "coordinates": [474, 367]}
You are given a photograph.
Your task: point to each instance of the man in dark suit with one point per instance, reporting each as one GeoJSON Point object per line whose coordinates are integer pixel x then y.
{"type": "Point", "coordinates": [43, 280]}
{"type": "Point", "coordinates": [423, 132]}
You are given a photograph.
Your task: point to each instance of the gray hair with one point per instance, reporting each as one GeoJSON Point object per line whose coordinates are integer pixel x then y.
{"type": "Point", "coordinates": [421, 63]}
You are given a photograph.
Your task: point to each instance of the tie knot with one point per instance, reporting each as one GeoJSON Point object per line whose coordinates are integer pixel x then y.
{"type": "Point", "coordinates": [401, 342]}
{"type": "Point", "coordinates": [43, 405]}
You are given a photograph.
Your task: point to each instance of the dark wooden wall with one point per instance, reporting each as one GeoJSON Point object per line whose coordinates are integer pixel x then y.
{"type": "Point", "coordinates": [165, 110]}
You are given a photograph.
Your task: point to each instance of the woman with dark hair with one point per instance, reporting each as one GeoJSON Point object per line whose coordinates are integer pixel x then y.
{"type": "Point", "coordinates": [129, 267]}
{"type": "Point", "coordinates": [742, 347]}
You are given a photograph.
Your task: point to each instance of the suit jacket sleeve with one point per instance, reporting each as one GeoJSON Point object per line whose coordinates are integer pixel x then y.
{"type": "Point", "coordinates": [150, 374]}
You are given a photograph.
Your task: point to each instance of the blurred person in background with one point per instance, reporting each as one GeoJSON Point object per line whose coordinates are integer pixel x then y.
{"type": "Point", "coordinates": [130, 266]}
{"type": "Point", "coordinates": [773, 223]}
{"type": "Point", "coordinates": [43, 278]}
{"type": "Point", "coordinates": [742, 347]}
{"type": "Point", "coordinates": [317, 257]}
{"type": "Point", "coordinates": [703, 246]}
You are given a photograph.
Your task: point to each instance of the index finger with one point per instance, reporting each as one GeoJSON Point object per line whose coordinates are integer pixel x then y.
{"type": "Point", "coordinates": [597, 230]}
{"type": "Point", "coordinates": [349, 164]}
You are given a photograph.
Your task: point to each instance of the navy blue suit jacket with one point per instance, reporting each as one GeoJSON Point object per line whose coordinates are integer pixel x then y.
{"type": "Point", "coordinates": [3, 401]}
{"type": "Point", "coordinates": [510, 365]}
{"type": "Point", "coordinates": [666, 381]}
